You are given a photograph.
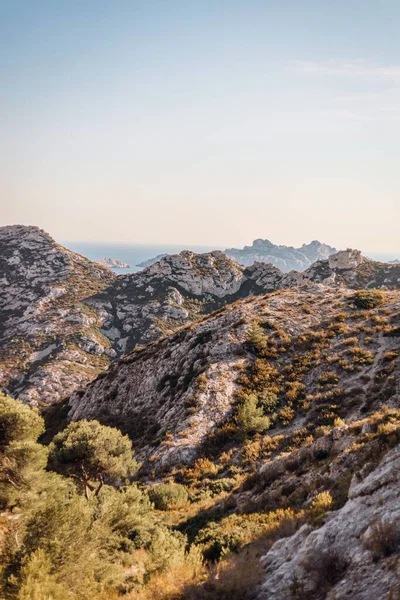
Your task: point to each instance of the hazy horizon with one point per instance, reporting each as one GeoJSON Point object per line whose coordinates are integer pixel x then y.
{"type": "Point", "coordinates": [212, 122]}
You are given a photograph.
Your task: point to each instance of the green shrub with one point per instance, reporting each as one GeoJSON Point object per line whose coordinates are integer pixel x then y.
{"type": "Point", "coordinates": [367, 299]}
{"type": "Point", "coordinates": [268, 401]}
{"type": "Point", "coordinates": [90, 452]}
{"type": "Point", "coordinates": [21, 457]}
{"type": "Point", "coordinates": [257, 338]}
{"type": "Point", "coordinates": [233, 532]}
{"type": "Point", "coordinates": [222, 485]}
{"type": "Point", "coordinates": [250, 417]}
{"type": "Point", "coordinates": [168, 496]}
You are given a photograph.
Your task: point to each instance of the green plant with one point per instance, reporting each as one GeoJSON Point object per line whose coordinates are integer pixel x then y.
{"type": "Point", "coordinates": [319, 507]}
{"type": "Point", "coordinates": [89, 452]}
{"type": "Point", "coordinates": [367, 299]}
{"type": "Point", "coordinates": [250, 417]}
{"type": "Point", "coordinates": [168, 496]}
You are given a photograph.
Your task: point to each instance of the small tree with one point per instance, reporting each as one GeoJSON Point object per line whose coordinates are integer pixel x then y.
{"type": "Point", "coordinates": [257, 338]}
{"type": "Point", "coordinates": [21, 457]}
{"type": "Point", "coordinates": [250, 417]}
{"type": "Point", "coordinates": [90, 453]}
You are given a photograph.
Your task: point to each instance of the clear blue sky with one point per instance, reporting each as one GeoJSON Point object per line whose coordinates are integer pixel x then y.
{"type": "Point", "coordinates": [207, 122]}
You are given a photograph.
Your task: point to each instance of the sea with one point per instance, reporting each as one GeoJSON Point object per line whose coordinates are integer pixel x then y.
{"type": "Point", "coordinates": [133, 254]}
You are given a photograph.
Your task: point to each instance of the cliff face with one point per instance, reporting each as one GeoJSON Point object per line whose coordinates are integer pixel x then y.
{"type": "Point", "coordinates": [354, 554]}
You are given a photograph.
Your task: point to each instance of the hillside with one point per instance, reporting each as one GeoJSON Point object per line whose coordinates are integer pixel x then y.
{"type": "Point", "coordinates": [50, 341]}
{"type": "Point", "coordinates": [264, 411]}
{"type": "Point", "coordinates": [280, 415]}
{"type": "Point", "coordinates": [186, 384]}
{"type": "Point", "coordinates": [64, 318]}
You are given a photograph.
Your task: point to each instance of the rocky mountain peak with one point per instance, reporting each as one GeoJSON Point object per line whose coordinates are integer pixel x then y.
{"type": "Point", "coordinates": [261, 243]}
{"type": "Point", "coordinates": [286, 258]}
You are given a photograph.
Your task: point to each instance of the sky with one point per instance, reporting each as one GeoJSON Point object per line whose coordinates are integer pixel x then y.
{"type": "Point", "coordinates": [210, 122]}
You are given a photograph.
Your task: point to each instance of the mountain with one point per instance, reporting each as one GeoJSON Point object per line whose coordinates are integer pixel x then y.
{"type": "Point", "coordinates": [287, 258]}
{"type": "Point", "coordinates": [186, 383]}
{"type": "Point", "coordinates": [264, 409]}
{"type": "Point", "coordinates": [65, 318]}
{"type": "Point", "coordinates": [180, 288]}
{"type": "Point", "coordinates": [50, 340]}
{"type": "Point", "coordinates": [285, 407]}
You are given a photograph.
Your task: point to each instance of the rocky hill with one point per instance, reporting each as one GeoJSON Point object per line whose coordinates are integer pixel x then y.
{"type": "Point", "coordinates": [64, 318]}
{"type": "Point", "coordinates": [185, 385]}
{"type": "Point", "coordinates": [267, 404]}
{"type": "Point", "coordinates": [284, 406]}
{"type": "Point", "coordinates": [287, 258]}
{"type": "Point", "coordinates": [180, 288]}
{"type": "Point", "coordinates": [50, 341]}
{"type": "Point", "coordinates": [350, 268]}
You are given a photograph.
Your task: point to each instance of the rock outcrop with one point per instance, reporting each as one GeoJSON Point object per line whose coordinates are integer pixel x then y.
{"type": "Point", "coordinates": [113, 263]}
{"type": "Point", "coordinates": [355, 541]}
{"type": "Point", "coordinates": [351, 269]}
{"type": "Point", "coordinates": [151, 261]}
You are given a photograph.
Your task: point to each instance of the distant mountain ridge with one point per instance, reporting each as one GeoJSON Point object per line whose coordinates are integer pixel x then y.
{"type": "Point", "coordinates": [287, 258]}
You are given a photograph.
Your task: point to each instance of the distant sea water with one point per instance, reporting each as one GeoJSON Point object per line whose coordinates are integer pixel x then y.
{"type": "Point", "coordinates": [132, 254]}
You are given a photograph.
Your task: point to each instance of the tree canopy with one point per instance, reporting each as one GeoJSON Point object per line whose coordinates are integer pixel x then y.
{"type": "Point", "coordinates": [91, 453]}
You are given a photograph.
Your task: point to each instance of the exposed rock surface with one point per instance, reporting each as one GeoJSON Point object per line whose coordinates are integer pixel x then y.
{"type": "Point", "coordinates": [351, 269]}
{"type": "Point", "coordinates": [373, 502]}
{"type": "Point", "coordinates": [50, 341]}
{"type": "Point", "coordinates": [287, 258]}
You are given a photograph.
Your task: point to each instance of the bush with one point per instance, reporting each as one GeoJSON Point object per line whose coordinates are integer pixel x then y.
{"type": "Point", "coordinates": [324, 568]}
{"type": "Point", "coordinates": [233, 532]}
{"type": "Point", "coordinates": [257, 338]}
{"type": "Point", "coordinates": [249, 417]}
{"type": "Point", "coordinates": [90, 452]}
{"type": "Point", "coordinates": [168, 496]}
{"type": "Point", "coordinates": [222, 485]}
{"type": "Point", "coordinates": [367, 299]}
{"type": "Point", "coordinates": [21, 457]}
{"type": "Point", "coordinates": [319, 507]}
{"type": "Point", "coordinates": [268, 401]}
{"type": "Point", "coordinates": [236, 577]}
